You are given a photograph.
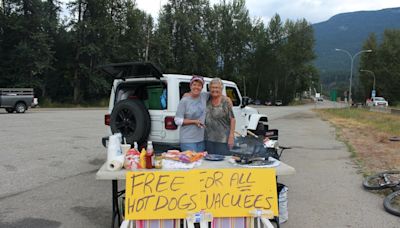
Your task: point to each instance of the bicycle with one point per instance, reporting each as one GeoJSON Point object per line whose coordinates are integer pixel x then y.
{"type": "Point", "coordinates": [386, 180]}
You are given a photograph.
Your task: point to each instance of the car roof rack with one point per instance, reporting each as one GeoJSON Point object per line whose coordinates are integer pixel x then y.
{"type": "Point", "coordinates": [132, 70]}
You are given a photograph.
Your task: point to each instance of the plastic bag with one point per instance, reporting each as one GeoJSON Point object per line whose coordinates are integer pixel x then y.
{"type": "Point", "coordinates": [163, 99]}
{"type": "Point", "coordinates": [283, 203]}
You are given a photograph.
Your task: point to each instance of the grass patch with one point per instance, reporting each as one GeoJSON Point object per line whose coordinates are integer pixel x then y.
{"type": "Point", "coordinates": [380, 121]}
{"type": "Point", "coordinates": [366, 135]}
{"type": "Point", "coordinates": [350, 148]}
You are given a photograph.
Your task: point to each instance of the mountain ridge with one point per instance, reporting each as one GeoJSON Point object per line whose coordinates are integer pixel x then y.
{"type": "Point", "coordinates": [349, 31]}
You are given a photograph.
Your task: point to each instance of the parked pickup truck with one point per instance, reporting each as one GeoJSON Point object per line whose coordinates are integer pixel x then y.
{"type": "Point", "coordinates": [16, 99]}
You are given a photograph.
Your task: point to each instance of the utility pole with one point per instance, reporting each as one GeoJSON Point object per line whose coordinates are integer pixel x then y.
{"type": "Point", "coordinates": [352, 57]}
{"type": "Point", "coordinates": [373, 86]}
{"type": "Point", "coordinates": [146, 57]}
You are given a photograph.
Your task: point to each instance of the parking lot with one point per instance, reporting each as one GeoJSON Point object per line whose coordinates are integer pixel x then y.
{"type": "Point", "coordinates": [49, 158]}
{"type": "Point", "coordinates": [48, 163]}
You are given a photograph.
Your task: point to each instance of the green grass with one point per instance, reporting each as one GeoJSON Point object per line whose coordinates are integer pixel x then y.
{"type": "Point", "coordinates": [381, 121]}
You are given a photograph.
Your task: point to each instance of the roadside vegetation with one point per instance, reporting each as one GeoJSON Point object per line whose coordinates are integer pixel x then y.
{"type": "Point", "coordinates": [367, 135]}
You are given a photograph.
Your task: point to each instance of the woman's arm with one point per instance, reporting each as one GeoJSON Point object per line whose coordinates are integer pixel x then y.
{"type": "Point", "coordinates": [194, 122]}
{"type": "Point", "coordinates": [179, 116]}
{"type": "Point", "coordinates": [181, 121]}
{"type": "Point", "coordinates": [231, 137]}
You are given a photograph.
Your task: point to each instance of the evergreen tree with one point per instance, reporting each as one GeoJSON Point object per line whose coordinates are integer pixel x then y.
{"type": "Point", "coordinates": [59, 58]}
{"type": "Point", "coordinates": [368, 62]}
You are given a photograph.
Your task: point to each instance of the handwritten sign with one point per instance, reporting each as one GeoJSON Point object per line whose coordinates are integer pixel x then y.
{"type": "Point", "coordinates": [222, 192]}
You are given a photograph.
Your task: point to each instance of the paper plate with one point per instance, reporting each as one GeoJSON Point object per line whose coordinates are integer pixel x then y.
{"type": "Point", "coordinates": [214, 157]}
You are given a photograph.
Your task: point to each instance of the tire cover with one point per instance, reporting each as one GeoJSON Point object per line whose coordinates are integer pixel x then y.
{"type": "Point", "coordinates": [132, 119]}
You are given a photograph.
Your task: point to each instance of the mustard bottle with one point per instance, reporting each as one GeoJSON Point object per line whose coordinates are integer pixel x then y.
{"type": "Point", "coordinates": [143, 158]}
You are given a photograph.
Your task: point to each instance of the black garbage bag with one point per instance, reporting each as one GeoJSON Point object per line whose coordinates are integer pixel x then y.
{"type": "Point", "coordinates": [249, 147]}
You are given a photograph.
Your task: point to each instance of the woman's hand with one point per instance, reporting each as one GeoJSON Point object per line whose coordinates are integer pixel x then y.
{"type": "Point", "coordinates": [231, 140]}
{"type": "Point", "coordinates": [199, 124]}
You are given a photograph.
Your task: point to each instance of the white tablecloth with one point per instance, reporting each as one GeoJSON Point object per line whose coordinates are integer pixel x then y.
{"type": "Point", "coordinates": [103, 174]}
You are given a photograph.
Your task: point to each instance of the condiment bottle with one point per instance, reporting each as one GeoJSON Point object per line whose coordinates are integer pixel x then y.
{"type": "Point", "coordinates": [158, 162]}
{"type": "Point", "coordinates": [143, 158]}
{"type": "Point", "coordinates": [149, 155]}
{"type": "Point", "coordinates": [136, 157]}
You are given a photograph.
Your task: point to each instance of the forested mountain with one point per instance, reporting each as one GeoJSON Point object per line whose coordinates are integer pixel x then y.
{"type": "Point", "coordinates": [349, 31]}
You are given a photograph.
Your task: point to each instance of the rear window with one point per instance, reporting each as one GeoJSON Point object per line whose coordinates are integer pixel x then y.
{"type": "Point", "coordinates": [231, 92]}
{"type": "Point", "coordinates": [153, 95]}
{"type": "Point", "coordinates": [184, 87]}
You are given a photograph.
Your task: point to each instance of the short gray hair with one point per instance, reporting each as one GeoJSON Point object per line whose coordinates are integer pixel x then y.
{"type": "Point", "coordinates": [217, 81]}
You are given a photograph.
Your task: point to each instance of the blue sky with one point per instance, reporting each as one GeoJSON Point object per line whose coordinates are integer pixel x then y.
{"type": "Point", "coordinates": [312, 10]}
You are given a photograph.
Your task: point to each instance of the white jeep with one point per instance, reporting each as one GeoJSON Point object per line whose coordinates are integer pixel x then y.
{"type": "Point", "coordinates": [143, 103]}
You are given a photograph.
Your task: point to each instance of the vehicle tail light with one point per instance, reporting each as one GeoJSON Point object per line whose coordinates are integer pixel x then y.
{"type": "Point", "coordinates": [107, 119]}
{"type": "Point", "coordinates": [170, 123]}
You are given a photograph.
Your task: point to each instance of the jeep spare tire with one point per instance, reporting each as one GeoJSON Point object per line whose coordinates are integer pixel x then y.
{"type": "Point", "coordinates": [132, 119]}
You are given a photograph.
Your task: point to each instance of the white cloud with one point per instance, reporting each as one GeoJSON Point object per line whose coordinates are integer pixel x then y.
{"type": "Point", "coordinates": [312, 10]}
{"type": "Point", "coordinates": [151, 6]}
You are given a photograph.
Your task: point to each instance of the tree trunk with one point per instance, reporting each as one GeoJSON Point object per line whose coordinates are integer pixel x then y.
{"type": "Point", "coordinates": [3, 5]}
{"type": "Point", "coordinates": [285, 90]}
{"type": "Point", "coordinates": [43, 87]}
{"type": "Point", "coordinates": [276, 89]}
{"type": "Point", "coordinates": [77, 89]}
{"type": "Point", "coordinates": [258, 86]}
{"type": "Point", "coordinates": [76, 81]}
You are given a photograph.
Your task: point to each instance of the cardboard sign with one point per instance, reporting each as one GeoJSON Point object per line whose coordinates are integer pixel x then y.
{"type": "Point", "coordinates": [222, 192]}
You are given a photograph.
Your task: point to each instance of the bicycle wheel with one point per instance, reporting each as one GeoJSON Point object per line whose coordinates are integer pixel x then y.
{"type": "Point", "coordinates": [392, 203]}
{"type": "Point", "coordinates": [377, 181]}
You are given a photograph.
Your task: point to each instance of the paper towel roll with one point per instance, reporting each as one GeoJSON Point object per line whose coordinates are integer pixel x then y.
{"type": "Point", "coordinates": [115, 158]}
{"type": "Point", "coordinates": [114, 146]}
{"type": "Point", "coordinates": [116, 163]}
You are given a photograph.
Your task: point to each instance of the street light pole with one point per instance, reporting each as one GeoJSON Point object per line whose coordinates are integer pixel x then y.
{"type": "Point", "coordinates": [373, 74]}
{"type": "Point", "coordinates": [351, 66]}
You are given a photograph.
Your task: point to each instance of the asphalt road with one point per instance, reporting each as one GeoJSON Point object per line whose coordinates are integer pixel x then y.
{"type": "Point", "coordinates": [49, 159]}
{"type": "Point", "coordinates": [326, 190]}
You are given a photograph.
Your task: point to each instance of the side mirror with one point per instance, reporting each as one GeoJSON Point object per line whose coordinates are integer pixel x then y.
{"type": "Point", "coordinates": [245, 101]}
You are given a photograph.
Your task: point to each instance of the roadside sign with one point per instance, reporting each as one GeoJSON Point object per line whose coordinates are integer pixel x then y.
{"type": "Point", "coordinates": [373, 93]}
{"type": "Point", "coordinates": [333, 95]}
{"type": "Point", "coordinates": [221, 192]}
